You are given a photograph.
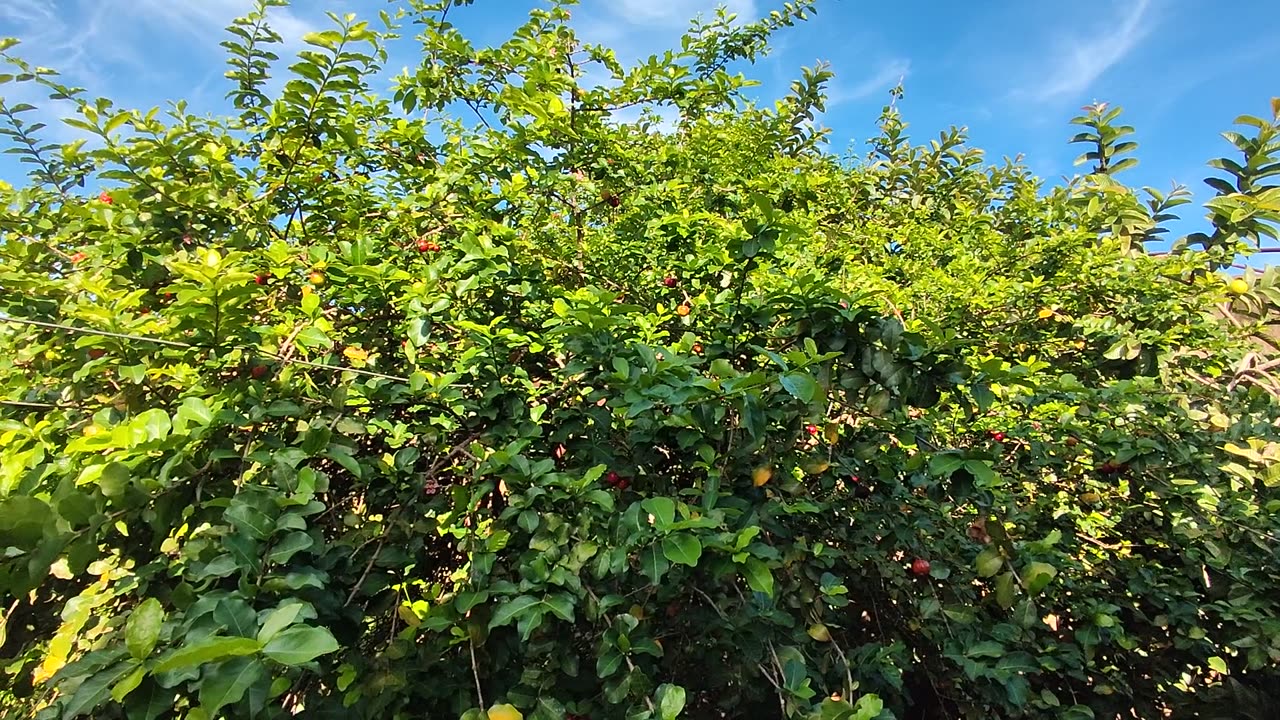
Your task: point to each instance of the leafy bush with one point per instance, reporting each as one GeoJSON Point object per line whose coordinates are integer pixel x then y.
{"type": "Point", "coordinates": [478, 402]}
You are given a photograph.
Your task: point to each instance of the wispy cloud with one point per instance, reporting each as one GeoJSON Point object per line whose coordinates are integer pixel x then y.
{"type": "Point", "coordinates": [675, 13]}
{"type": "Point", "coordinates": [1081, 59]}
{"type": "Point", "coordinates": [886, 74]}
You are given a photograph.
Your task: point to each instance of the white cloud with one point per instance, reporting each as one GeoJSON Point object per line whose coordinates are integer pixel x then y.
{"type": "Point", "coordinates": [887, 74]}
{"type": "Point", "coordinates": [1081, 59]}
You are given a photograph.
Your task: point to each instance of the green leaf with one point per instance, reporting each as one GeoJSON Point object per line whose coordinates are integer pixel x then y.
{"type": "Point", "coordinates": [1017, 662]}
{"type": "Point", "coordinates": [194, 410]}
{"type": "Point", "coordinates": [225, 683]}
{"type": "Point", "coordinates": [1005, 590]}
{"type": "Point", "coordinates": [670, 701]}
{"type": "Point", "coordinates": [94, 691]}
{"type": "Point", "coordinates": [653, 564]}
{"type": "Point", "coordinates": [983, 396]}
{"type": "Point", "coordinates": [150, 702]}
{"type": "Point", "coordinates": [944, 464]}
{"type": "Point", "coordinates": [207, 650]}
{"type": "Point", "coordinates": [510, 609]}
{"type": "Point", "coordinates": [801, 386]}
{"type": "Point", "coordinates": [279, 619]}
{"type": "Point", "coordinates": [758, 575]}
{"type": "Point", "coordinates": [128, 684]}
{"type": "Point", "coordinates": [1037, 575]}
{"type": "Point", "coordinates": [682, 548]}
{"type": "Point", "coordinates": [1218, 665]}
{"type": "Point", "coordinates": [663, 510]}
{"type": "Point", "coordinates": [290, 545]}
{"type": "Point", "coordinates": [989, 562]}
{"type": "Point", "coordinates": [142, 631]}
{"type": "Point", "coordinates": [300, 644]}
{"type": "Point", "coordinates": [869, 707]}
{"type": "Point", "coordinates": [343, 458]}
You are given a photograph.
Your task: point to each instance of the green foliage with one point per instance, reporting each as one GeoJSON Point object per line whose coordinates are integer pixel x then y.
{"type": "Point", "coordinates": [339, 409]}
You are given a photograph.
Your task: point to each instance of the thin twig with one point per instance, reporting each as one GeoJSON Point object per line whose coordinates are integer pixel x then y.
{"type": "Point", "coordinates": [475, 672]}
{"type": "Point", "coordinates": [369, 566]}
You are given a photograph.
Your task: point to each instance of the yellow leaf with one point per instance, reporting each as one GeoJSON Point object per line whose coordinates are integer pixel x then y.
{"type": "Point", "coordinates": [1045, 313]}
{"type": "Point", "coordinates": [356, 354]}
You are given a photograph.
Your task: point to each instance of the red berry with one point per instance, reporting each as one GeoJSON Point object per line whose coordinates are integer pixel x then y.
{"type": "Point", "coordinates": [697, 348]}
{"type": "Point", "coordinates": [78, 257]}
{"type": "Point", "coordinates": [670, 281]}
{"type": "Point", "coordinates": [96, 353]}
{"type": "Point", "coordinates": [623, 484]}
{"type": "Point", "coordinates": [261, 279]}
{"type": "Point", "coordinates": [920, 566]}
{"type": "Point", "coordinates": [257, 371]}
{"type": "Point", "coordinates": [423, 245]}
{"type": "Point", "coordinates": [105, 197]}
{"type": "Point", "coordinates": [812, 429]}
{"type": "Point", "coordinates": [854, 479]}
{"type": "Point", "coordinates": [612, 478]}
{"type": "Point", "coordinates": [996, 435]}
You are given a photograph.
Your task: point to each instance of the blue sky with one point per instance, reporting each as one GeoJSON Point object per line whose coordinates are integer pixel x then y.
{"type": "Point", "coordinates": [1012, 71]}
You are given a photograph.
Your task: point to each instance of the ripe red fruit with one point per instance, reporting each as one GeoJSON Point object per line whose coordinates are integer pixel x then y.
{"type": "Point", "coordinates": [920, 567]}
{"type": "Point", "coordinates": [697, 348]}
{"type": "Point", "coordinates": [812, 429]}
{"type": "Point", "coordinates": [612, 478]}
{"type": "Point", "coordinates": [623, 484]}
{"type": "Point", "coordinates": [105, 197]}
{"type": "Point", "coordinates": [258, 371]}
{"type": "Point", "coordinates": [854, 479]}
{"type": "Point", "coordinates": [78, 257]}
{"type": "Point", "coordinates": [425, 245]}
{"type": "Point", "coordinates": [996, 435]}
{"type": "Point", "coordinates": [261, 279]}
{"type": "Point", "coordinates": [96, 353]}
{"type": "Point", "coordinates": [670, 281]}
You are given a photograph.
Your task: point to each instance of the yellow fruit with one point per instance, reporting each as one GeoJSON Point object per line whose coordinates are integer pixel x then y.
{"type": "Point", "coordinates": [504, 712]}
{"type": "Point", "coordinates": [682, 310]}
{"type": "Point", "coordinates": [1238, 287]}
{"type": "Point", "coordinates": [761, 475]}
{"type": "Point", "coordinates": [819, 632]}
{"type": "Point", "coordinates": [316, 278]}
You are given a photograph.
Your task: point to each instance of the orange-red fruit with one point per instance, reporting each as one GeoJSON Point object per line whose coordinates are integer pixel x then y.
{"type": "Point", "coordinates": [682, 310]}
{"type": "Point", "coordinates": [96, 353]}
{"type": "Point", "coordinates": [425, 245]}
{"type": "Point", "coordinates": [920, 566]}
{"type": "Point", "coordinates": [996, 435]}
{"type": "Point", "coordinates": [105, 197]}
{"type": "Point", "coordinates": [812, 429]}
{"type": "Point", "coordinates": [78, 257]}
{"type": "Point", "coordinates": [697, 348]}
{"type": "Point", "coordinates": [261, 279]}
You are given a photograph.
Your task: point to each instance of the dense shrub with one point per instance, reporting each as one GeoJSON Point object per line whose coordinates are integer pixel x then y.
{"type": "Point", "coordinates": [478, 400]}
